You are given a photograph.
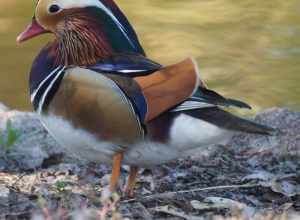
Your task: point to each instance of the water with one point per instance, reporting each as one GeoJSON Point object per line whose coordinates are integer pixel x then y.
{"type": "Point", "coordinates": [246, 49]}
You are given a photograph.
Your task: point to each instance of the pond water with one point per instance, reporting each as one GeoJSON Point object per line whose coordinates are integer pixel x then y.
{"type": "Point", "coordinates": [246, 49]}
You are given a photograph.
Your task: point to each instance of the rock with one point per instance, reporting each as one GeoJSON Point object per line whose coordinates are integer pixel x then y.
{"type": "Point", "coordinates": [4, 195]}
{"type": "Point", "coordinates": [31, 144]}
{"type": "Point", "coordinates": [4, 192]}
{"type": "Point", "coordinates": [285, 142]}
{"type": "Point", "coordinates": [3, 108]}
{"type": "Point", "coordinates": [3, 165]}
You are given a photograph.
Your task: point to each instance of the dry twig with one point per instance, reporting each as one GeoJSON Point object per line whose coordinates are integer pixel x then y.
{"type": "Point", "coordinates": [172, 195]}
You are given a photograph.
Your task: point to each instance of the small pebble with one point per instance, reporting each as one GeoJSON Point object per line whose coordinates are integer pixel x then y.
{"type": "Point", "coordinates": [3, 165]}
{"type": "Point", "coordinates": [4, 192]}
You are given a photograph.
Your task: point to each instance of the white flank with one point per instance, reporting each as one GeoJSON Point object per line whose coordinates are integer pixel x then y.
{"type": "Point", "coordinates": [77, 142]}
{"type": "Point", "coordinates": [189, 133]}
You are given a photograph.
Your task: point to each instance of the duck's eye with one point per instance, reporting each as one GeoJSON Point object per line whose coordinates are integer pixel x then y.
{"type": "Point", "coordinates": [54, 9]}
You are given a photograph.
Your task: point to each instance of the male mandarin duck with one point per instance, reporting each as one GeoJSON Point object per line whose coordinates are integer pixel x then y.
{"type": "Point", "coordinates": [109, 103]}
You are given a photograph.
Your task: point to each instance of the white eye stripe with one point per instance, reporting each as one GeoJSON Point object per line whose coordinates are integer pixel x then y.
{"type": "Point", "coordinates": [67, 4]}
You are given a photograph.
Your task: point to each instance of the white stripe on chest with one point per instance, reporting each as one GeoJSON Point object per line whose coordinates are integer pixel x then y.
{"type": "Point", "coordinates": [46, 93]}
{"type": "Point", "coordinates": [43, 82]}
{"type": "Point", "coordinates": [49, 81]}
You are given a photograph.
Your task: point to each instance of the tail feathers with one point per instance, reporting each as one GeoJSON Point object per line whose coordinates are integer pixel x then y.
{"type": "Point", "coordinates": [212, 97]}
{"type": "Point", "coordinates": [226, 120]}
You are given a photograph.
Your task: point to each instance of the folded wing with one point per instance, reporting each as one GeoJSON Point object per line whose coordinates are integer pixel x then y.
{"type": "Point", "coordinates": [95, 103]}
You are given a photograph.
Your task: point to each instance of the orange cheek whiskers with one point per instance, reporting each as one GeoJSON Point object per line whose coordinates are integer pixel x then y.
{"type": "Point", "coordinates": [81, 42]}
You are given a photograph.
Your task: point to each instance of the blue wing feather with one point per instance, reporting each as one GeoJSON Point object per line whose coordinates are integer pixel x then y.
{"type": "Point", "coordinates": [128, 64]}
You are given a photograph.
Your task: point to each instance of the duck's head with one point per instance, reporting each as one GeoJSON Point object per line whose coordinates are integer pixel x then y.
{"type": "Point", "coordinates": [85, 30]}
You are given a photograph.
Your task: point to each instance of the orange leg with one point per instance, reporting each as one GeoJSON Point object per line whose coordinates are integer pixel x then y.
{"type": "Point", "coordinates": [129, 191]}
{"type": "Point", "coordinates": [117, 162]}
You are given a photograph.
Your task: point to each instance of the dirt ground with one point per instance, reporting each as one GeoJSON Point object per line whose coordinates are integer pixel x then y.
{"type": "Point", "coordinates": [223, 183]}
{"type": "Point", "coordinates": [249, 178]}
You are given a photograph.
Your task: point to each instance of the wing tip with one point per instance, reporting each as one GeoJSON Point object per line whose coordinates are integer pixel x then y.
{"type": "Point", "coordinates": [239, 104]}
{"type": "Point", "coordinates": [274, 131]}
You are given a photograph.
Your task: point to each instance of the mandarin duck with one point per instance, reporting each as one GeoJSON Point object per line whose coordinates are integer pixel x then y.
{"type": "Point", "coordinates": [105, 101]}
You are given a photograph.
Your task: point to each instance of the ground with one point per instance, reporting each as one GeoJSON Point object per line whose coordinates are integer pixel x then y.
{"type": "Point", "coordinates": [250, 177]}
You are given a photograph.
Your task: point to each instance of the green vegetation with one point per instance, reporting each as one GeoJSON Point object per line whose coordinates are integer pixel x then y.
{"type": "Point", "coordinates": [11, 137]}
{"type": "Point", "coordinates": [60, 186]}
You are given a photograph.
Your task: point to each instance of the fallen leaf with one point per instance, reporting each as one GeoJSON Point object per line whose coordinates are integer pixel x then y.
{"type": "Point", "coordinates": [209, 203]}
{"type": "Point", "coordinates": [217, 203]}
{"type": "Point", "coordinates": [201, 205]}
{"type": "Point", "coordinates": [286, 188]}
{"type": "Point", "coordinates": [175, 212]}
{"type": "Point", "coordinates": [259, 175]}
